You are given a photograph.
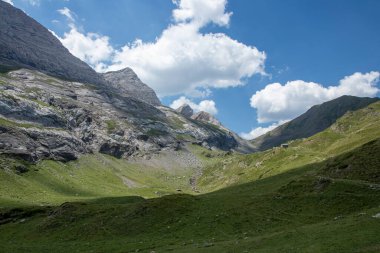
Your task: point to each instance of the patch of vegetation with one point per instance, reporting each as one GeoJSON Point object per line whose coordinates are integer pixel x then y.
{"type": "Point", "coordinates": [185, 137]}
{"type": "Point", "coordinates": [176, 123]}
{"type": "Point", "coordinates": [111, 125]}
{"type": "Point", "coordinates": [9, 123]}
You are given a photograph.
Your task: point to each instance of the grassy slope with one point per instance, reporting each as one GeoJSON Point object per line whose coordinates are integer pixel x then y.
{"type": "Point", "coordinates": [286, 203]}
{"type": "Point", "coordinates": [91, 176]}
{"type": "Point", "coordinates": [350, 131]}
{"type": "Point", "coordinates": [304, 210]}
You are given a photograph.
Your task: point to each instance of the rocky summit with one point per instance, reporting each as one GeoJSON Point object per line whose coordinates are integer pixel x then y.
{"type": "Point", "coordinates": [206, 117]}
{"type": "Point", "coordinates": [129, 84]}
{"type": "Point", "coordinates": [24, 43]}
{"type": "Point", "coordinates": [185, 110]}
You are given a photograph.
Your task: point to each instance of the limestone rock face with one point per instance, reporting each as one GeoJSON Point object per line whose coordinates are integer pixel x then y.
{"type": "Point", "coordinates": [185, 110]}
{"type": "Point", "coordinates": [24, 43]}
{"type": "Point", "coordinates": [206, 117]}
{"type": "Point", "coordinates": [42, 117]}
{"type": "Point", "coordinates": [129, 84]}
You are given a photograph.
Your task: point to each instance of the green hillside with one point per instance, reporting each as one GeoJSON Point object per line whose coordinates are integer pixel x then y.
{"type": "Point", "coordinates": [350, 131]}
{"type": "Point", "coordinates": [308, 209]}
{"type": "Point", "coordinates": [322, 194]}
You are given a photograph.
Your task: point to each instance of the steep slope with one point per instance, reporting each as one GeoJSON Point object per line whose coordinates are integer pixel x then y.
{"type": "Point", "coordinates": [48, 118]}
{"type": "Point", "coordinates": [316, 119]}
{"type": "Point", "coordinates": [24, 43]}
{"type": "Point", "coordinates": [129, 84]}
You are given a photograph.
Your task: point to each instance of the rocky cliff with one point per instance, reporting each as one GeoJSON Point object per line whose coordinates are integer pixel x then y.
{"type": "Point", "coordinates": [42, 117]}
{"type": "Point", "coordinates": [129, 84]}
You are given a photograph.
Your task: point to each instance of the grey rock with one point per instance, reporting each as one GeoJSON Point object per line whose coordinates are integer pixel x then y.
{"type": "Point", "coordinates": [48, 118]}
{"type": "Point", "coordinates": [128, 84]}
{"type": "Point", "coordinates": [34, 144]}
{"type": "Point", "coordinates": [24, 43]}
{"type": "Point", "coordinates": [185, 110]}
{"type": "Point", "coordinates": [206, 117]}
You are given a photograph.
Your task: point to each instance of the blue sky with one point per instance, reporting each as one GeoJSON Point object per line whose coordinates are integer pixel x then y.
{"type": "Point", "coordinates": [307, 52]}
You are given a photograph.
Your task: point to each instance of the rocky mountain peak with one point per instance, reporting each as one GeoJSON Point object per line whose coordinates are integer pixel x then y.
{"type": "Point", "coordinates": [24, 43]}
{"type": "Point", "coordinates": [185, 110]}
{"type": "Point", "coordinates": [206, 117]}
{"type": "Point", "coordinates": [129, 84]}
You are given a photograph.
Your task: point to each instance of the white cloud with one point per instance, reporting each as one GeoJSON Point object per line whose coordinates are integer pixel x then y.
{"type": "Point", "coordinates": [205, 105]}
{"type": "Point", "coordinates": [9, 1]}
{"type": "Point", "coordinates": [256, 132]}
{"type": "Point", "coordinates": [67, 13]}
{"type": "Point", "coordinates": [202, 12]}
{"type": "Point", "coordinates": [278, 102]}
{"type": "Point", "coordinates": [182, 59]}
{"type": "Point", "coordinates": [91, 47]}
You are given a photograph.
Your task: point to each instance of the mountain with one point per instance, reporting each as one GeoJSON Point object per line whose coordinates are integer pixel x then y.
{"type": "Point", "coordinates": [45, 115]}
{"type": "Point", "coordinates": [24, 43]}
{"type": "Point", "coordinates": [316, 119]}
{"type": "Point", "coordinates": [129, 84]}
{"type": "Point", "coordinates": [185, 110]}
{"type": "Point", "coordinates": [42, 117]}
{"type": "Point", "coordinates": [321, 194]}
{"type": "Point", "coordinates": [206, 117]}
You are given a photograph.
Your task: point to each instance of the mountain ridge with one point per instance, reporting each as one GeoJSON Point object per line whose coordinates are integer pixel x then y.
{"type": "Point", "coordinates": [314, 120]}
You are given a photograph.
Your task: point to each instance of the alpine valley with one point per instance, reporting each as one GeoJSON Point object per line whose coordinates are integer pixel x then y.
{"type": "Point", "coordinates": [93, 162]}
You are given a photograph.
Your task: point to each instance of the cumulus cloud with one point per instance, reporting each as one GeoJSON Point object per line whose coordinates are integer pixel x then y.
{"type": "Point", "coordinates": [90, 47]}
{"type": "Point", "coordinates": [9, 1]}
{"type": "Point", "coordinates": [256, 132]}
{"type": "Point", "coordinates": [279, 102]}
{"type": "Point", "coordinates": [182, 60]}
{"type": "Point", "coordinates": [205, 105]}
{"type": "Point", "coordinates": [202, 12]}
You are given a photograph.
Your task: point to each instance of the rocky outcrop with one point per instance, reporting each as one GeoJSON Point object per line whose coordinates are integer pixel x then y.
{"type": "Point", "coordinates": [35, 144]}
{"type": "Point", "coordinates": [42, 117]}
{"type": "Point", "coordinates": [24, 43]}
{"type": "Point", "coordinates": [128, 84]}
{"type": "Point", "coordinates": [206, 117]}
{"type": "Point", "coordinates": [185, 110]}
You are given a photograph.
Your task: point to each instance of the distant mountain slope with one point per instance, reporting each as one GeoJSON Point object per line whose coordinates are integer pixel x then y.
{"type": "Point", "coordinates": [24, 43]}
{"type": "Point", "coordinates": [348, 132]}
{"type": "Point", "coordinates": [129, 84]}
{"type": "Point", "coordinates": [316, 119]}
